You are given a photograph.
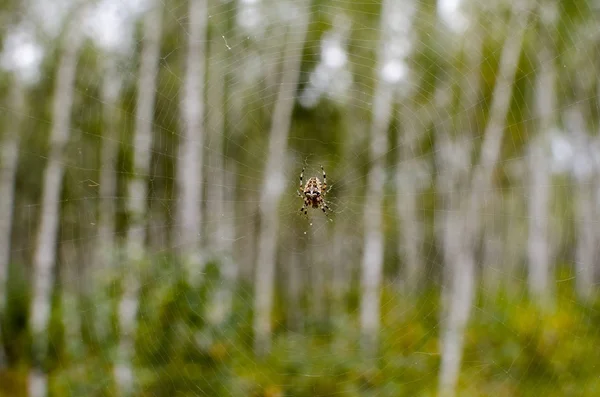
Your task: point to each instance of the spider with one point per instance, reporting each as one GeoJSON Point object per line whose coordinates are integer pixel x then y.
{"type": "Point", "coordinates": [313, 193]}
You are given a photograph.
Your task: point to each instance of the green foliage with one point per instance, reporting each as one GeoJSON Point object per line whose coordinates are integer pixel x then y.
{"type": "Point", "coordinates": [512, 348]}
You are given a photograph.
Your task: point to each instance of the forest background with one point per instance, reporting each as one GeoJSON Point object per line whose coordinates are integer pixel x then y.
{"type": "Point", "coordinates": [151, 238]}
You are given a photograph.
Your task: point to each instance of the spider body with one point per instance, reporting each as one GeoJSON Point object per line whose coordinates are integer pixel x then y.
{"type": "Point", "coordinates": [313, 193]}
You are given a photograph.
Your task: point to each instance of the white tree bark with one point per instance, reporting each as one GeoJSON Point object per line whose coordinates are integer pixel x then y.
{"type": "Point", "coordinates": [585, 206]}
{"type": "Point", "coordinates": [587, 240]}
{"type": "Point", "coordinates": [271, 50]}
{"type": "Point", "coordinates": [191, 143]}
{"type": "Point", "coordinates": [347, 243]}
{"type": "Point", "coordinates": [463, 264]}
{"type": "Point", "coordinates": [9, 156]}
{"type": "Point", "coordinates": [107, 189]}
{"type": "Point", "coordinates": [538, 250]}
{"type": "Point", "coordinates": [515, 237]}
{"type": "Point", "coordinates": [493, 244]}
{"type": "Point", "coordinates": [216, 128]}
{"type": "Point", "coordinates": [456, 149]}
{"type": "Point", "coordinates": [137, 196]}
{"type": "Point", "coordinates": [44, 258]}
{"type": "Point", "coordinates": [453, 158]}
{"type": "Point", "coordinates": [105, 256]}
{"type": "Point", "coordinates": [319, 256]}
{"type": "Point", "coordinates": [411, 177]}
{"type": "Point", "coordinates": [221, 176]}
{"type": "Point", "coordinates": [538, 247]}
{"type": "Point", "coordinates": [223, 298]}
{"type": "Point", "coordinates": [274, 178]}
{"type": "Point", "coordinates": [372, 261]}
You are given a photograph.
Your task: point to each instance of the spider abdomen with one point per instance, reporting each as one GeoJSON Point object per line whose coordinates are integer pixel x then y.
{"type": "Point", "coordinates": [313, 192]}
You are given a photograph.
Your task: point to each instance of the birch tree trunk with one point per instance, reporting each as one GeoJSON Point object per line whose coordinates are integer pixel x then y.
{"type": "Point", "coordinates": [136, 198]}
{"type": "Point", "coordinates": [70, 291]}
{"type": "Point", "coordinates": [538, 247]}
{"type": "Point", "coordinates": [215, 118]}
{"type": "Point", "coordinates": [585, 172]}
{"type": "Point", "coordinates": [191, 144]}
{"type": "Point", "coordinates": [587, 241]}
{"type": "Point", "coordinates": [411, 176]}
{"type": "Point", "coordinates": [223, 297]}
{"type": "Point", "coordinates": [221, 176]}
{"type": "Point", "coordinates": [318, 267]}
{"type": "Point", "coordinates": [493, 245]}
{"type": "Point", "coordinates": [463, 264]}
{"type": "Point", "coordinates": [585, 207]}
{"type": "Point", "coordinates": [453, 161]}
{"type": "Point", "coordinates": [107, 191]}
{"type": "Point", "coordinates": [346, 245]}
{"type": "Point", "coordinates": [44, 258]}
{"type": "Point", "coordinates": [456, 147]}
{"type": "Point", "coordinates": [372, 261]}
{"type": "Point", "coordinates": [274, 178]}
{"type": "Point", "coordinates": [515, 237]}
{"type": "Point", "coordinates": [270, 50]}
{"type": "Point", "coordinates": [9, 156]}
{"type": "Point", "coordinates": [538, 203]}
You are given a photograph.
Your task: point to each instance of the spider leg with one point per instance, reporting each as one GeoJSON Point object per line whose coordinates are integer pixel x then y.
{"type": "Point", "coordinates": [323, 205]}
{"type": "Point", "coordinates": [304, 209]}
{"type": "Point", "coordinates": [324, 187]}
{"type": "Point", "coordinates": [325, 209]}
{"type": "Point", "coordinates": [300, 190]}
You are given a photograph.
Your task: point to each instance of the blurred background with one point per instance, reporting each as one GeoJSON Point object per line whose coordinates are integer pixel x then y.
{"type": "Point", "coordinates": [151, 238]}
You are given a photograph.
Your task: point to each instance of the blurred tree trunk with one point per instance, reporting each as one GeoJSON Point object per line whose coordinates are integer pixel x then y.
{"type": "Point", "coordinates": [9, 158]}
{"type": "Point", "coordinates": [107, 189]}
{"type": "Point", "coordinates": [372, 264]}
{"type": "Point", "coordinates": [411, 177]}
{"type": "Point", "coordinates": [456, 146]}
{"type": "Point", "coordinates": [587, 241]}
{"type": "Point", "coordinates": [71, 280]}
{"type": "Point", "coordinates": [191, 144]}
{"type": "Point", "coordinates": [538, 247]}
{"type": "Point", "coordinates": [274, 178]}
{"type": "Point", "coordinates": [372, 261]}
{"type": "Point", "coordinates": [44, 258]}
{"type": "Point", "coordinates": [318, 267]}
{"type": "Point", "coordinates": [493, 244]}
{"type": "Point", "coordinates": [585, 206]}
{"type": "Point", "coordinates": [461, 293]}
{"type": "Point", "coordinates": [585, 173]}
{"type": "Point", "coordinates": [346, 243]}
{"type": "Point", "coordinates": [105, 255]}
{"type": "Point", "coordinates": [411, 172]}
{"type": "Point", "coordinates": [221, 174]}
{"type": "Point", "coordinates": [295, 288]}
{"type": "Point", "coordinates": [137, 198]}
{"type": "Point", "coordinates": [453, 160]}
{"type": "Point", "coordinates": [223, 297]}
{"type": "Point", "coordinates": [515, 236]}
{"type": "Point", "coordinates": [271, 50]}
{"type": "Point", "coordinates": [238, 84]}
{"type": "Point", "coordinates": [215, 118]}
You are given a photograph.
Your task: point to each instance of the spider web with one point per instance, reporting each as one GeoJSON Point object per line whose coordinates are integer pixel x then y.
{"type": "Point", "coordinates": [182, 343]}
